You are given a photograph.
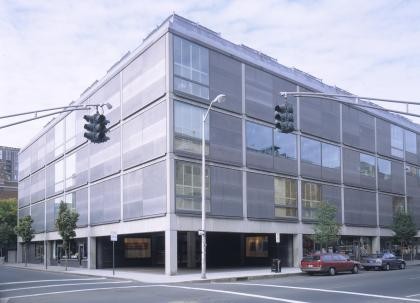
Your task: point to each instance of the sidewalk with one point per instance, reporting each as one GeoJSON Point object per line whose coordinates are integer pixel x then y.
{"type": "Point", "coordinates": [157, 275]}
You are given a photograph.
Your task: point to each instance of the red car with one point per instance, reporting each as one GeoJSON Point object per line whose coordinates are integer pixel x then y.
{"type": "Point", "coordinates": [328, 263]}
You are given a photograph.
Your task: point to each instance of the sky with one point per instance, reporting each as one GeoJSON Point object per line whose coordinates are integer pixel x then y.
{"type": "Point", "coordinates": [52, 50]}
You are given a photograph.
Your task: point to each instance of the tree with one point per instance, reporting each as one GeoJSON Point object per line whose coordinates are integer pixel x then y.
{"type": "Point", "coordinates": [8, 219]}
{"type": "Point", "coordinates": [326, 228]}
{"type": "Point", "coordinates": [25, 231]}
{"type": "Point", "coordinates": [66, 225]}
{"type": "Point", "coordinates": [404, 228]}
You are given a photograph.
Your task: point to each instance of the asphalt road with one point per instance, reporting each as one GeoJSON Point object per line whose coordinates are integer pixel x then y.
{"type": "Point", "coordinates": [22, 285]}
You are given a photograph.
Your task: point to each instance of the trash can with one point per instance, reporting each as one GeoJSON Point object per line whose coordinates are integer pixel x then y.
{"type": "Point", "coordinates": [276, 265]}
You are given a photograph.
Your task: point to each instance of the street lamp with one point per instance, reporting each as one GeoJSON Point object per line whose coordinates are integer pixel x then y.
{"type": "Point", "coordinates": [219, 99]}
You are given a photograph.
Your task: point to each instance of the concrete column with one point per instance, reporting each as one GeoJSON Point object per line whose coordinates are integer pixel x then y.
{"type": "Point", "coordinates": [297, 249]}
{"type": "Point", "coordinates": [191, 249]}
{"type": "Point", "coordinates": [171, 252]}
{"type": "Point", "coordinates": [91, 247]}
{"type": "Point", "coordinates": [376, 244]}
{"type": "Point", "coordinates": [19, 253]}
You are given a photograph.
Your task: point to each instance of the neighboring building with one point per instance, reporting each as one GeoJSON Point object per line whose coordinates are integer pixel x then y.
{"type": "Point", "coordinates": [145, 183]}
{"type": "Point", "coordinates": [8, 172]}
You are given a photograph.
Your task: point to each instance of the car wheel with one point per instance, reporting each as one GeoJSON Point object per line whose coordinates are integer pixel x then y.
{"type": "Point", "coordinates": [387, 267]}
{"type": "Point", "coordinates": [332, 271]}
{"type": "Point", "coordinates": [355, 269]}
{"type": "Point", "coordinates": [402, 266]}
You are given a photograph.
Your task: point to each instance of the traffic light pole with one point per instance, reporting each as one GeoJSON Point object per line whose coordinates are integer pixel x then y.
{"type": "Point", "coordinates": [62, 109]}
{"type": "Point", "coordinates": [334, 97]}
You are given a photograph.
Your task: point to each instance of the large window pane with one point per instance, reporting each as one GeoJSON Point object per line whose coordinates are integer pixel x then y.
{"type": "Point", "coordinates": [311, 198]}
{"type": "Point", "coordinates": [367, 165]}
{"type": "Point", "coordinates": [37, 214]}
{"type": "Point", "coordinates": [24, 192]}
{"type": "Point", "coordinates": [105, 202]}
{"type": "Point", "coordinates": [78, 201]}
{"type": "Point", "coordinates": [55, 178]}
{"type": "Point", "coordinates": [77, 168]}
{"type": "Point", "coordinates": [38, 186]}
{"type": "Point", "coordinates": [24, 163]}
{"type": "Point", "coordinates": [55, 142]}
{"type": "Point", "coordinates": [330, 156]}
{"type": "Point", "coordinates": [410, 142]}
{"type": "Point", "coordinates": [384, 169]}
{"type": "Point", "coordinates": [191, 68]}
{"type": "Point", "coordinates": [397, 141]}
{"type": "Point", "coordinates": [259, 138]}
{"type": "Point", "coordinates": [285, 200]}
{"type": "Point", "coordinates": [188, 187]}
{"type": "Point", "coordinates": [38, 154]}
{"type": "Point", "coordinates": [188, 128]}
{"type": "Point", "coordinates": [52, 208]}
{"type": "Point", "coordinates": [310, 151]}
{"type": "Point", "coordinates": [285, 145]}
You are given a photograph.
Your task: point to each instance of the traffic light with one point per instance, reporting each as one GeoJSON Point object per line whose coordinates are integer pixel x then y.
{"type": "Point", "coordinates": [96, 128]}
{"type": "Point", "coordinates": [283, 118]}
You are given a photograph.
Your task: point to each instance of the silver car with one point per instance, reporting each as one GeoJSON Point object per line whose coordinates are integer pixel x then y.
{"type": "Point", "coordinates": [385, 261]}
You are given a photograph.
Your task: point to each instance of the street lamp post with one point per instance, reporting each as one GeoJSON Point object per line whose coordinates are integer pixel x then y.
{"type": "Point", "coordinates": [219, 99]}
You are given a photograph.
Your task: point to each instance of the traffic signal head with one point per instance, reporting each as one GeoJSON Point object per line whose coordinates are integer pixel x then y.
{"type": "Point", "coordinates": [96, 128]}
{"type": "Point", "coordinates": [283, 118]}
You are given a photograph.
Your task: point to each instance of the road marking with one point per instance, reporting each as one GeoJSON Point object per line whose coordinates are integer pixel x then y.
{"type": "Point", "coordinates": [235, 293]}
{"type": "Point", "coordinates": [326, 290]}
{"type": "Point", "coordinates": [66, 284]}
{"type": "Point", "coordinates": [415, 295]}
{"type": "Point", "coordinates": [55, 280]}
{"type": "Point", "coordinates": [76, 290]}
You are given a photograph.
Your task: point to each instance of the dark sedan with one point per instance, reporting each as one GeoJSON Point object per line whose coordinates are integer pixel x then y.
{"type": "Point", "coordinates": [385, 261]}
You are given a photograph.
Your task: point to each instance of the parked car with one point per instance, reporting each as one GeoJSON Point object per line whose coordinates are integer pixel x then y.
{"type": "Point", "coordinates": [328, 263]}
{"type": "Point", "coordinates": [385, 261]}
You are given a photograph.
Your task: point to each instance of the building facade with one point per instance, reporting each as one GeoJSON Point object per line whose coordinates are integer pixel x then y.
{"type": "Point", "coordinates": [8, 172]}
{"type": "Point", "coordinates": [145, 182]}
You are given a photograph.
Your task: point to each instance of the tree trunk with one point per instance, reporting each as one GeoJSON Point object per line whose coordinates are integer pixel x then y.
{"type": "Point", "coordinates": [67, 259]}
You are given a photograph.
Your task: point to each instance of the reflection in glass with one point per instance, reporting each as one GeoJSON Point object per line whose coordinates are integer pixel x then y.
{"type": "Point", "coordinates": [367, 165]}
{"type": "Point", "coordinates": [285, 145]}
{"type": "Point", "coordinates": [311, 198]}
{"type": "Point", "coordinates": [330, 156]}
{"type": "Point", "coordinates": [259, 138]}
{"type": "Point", "coordinates": [285, 201]}
{"type": "Point", "coordinates": [397, 141]}
{"type": "Point", "coordinates": [310, 151]}
{"type": "Point", "coordinates": [410, 142]}
{"type": "Point", "coordinates": [384, 169]}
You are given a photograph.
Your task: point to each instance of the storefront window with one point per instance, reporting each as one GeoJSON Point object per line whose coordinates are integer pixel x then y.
{"type": "Point", "coordinates": [137, 248]}
{"type": "Point", "coordinates": [285, 202]}
{"type": "Point", "coordinates": [257, 247]}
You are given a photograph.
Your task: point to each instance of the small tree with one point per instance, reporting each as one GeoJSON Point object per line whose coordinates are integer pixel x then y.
{"type": "Point", "coordinates": [25, 231]}
{"type": "Point", "coordinates": [8, 220]}
{"type": "Point", "coordinates": [326, 228]}
{"type": "Point", "coordinates": [66, 225]}
{"type": "Point", "coordinates": [404, 228]}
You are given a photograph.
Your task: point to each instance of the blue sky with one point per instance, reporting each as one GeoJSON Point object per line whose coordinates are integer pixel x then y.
{"type": "Point", "coordinates": [50, 51]}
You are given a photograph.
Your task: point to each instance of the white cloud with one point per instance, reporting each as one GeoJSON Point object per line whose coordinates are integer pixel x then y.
{"type": "Point", "coordinates": [50, 51]}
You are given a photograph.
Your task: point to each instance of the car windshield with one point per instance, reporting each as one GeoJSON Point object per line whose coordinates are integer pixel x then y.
{"type": "Point", "coordinates": [311, 258]}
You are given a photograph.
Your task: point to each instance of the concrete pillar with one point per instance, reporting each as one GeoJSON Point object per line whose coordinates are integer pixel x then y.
{"type": "Point", "coordinates": [171, 252]}
{"type": "Point", "coordinates": [191, 249]}
{"type": "Point", "coordinates": [376, 244]}
{"type": "Point", "coordinates": [91, 247]}
{"type": "Point", "coordinates": [297, 249]}
{"type": "Point", "coordinates": [19, 253]}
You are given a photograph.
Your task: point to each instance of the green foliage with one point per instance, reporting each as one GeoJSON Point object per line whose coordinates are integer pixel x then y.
{"type": "Point", "coordinates": [66, 223]}
{"type": "Point", "coordinates": [404, 227]}
{"type": "Point", "coordinates": [326, 229]}
{"type": "Point", "coordinates": [24, 229]}
{"type": "Point", "coordinates": [8, 220]}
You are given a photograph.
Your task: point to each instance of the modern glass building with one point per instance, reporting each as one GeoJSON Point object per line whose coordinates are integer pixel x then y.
{"type": "Point", "coordinates": [8, 172]}
{"type": "Point", "coordinates": [145, 182]}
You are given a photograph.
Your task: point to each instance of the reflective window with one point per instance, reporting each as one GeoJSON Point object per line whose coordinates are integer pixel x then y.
{"type": "Point", "coordinates": [367, 165]}
{"type": "Point", "coordinates": [25, 163]}
{"type": "Point", "coordinates": [37, 154]}
{"type": "Point", "coordinates": [410, 142]}
{"type": "Point", "coordinates": [191, 68]}
{"type": "Point", "coordinates": [311, 198]}
{"type": "Point", "coordinates": [52, 208]}
{"type": "Point", "coordinates": [24, 192]}
{"type": "Point", "coordinates": [78, 201]}
{"type": "Point", "coordinates": [259, 138]}
{"type": "Point", "coordinates": [397, 141]}
{"type": "Point", "coordinates": [109, 93]}
{"type": "Point", "coordinates": [285, 145]}
{"type": "Point", "coordinates": [77, 168]}
{"type": "Point", "coordinates": [54, 147]}
{"type": "Point", "coordinates": [105, 201]}
{"type": "Point", "coordinates": [55, 178]}
{"type": "Point", "coordinates": [37, 214]}
{"type": "Point", "coordinates": [330, 156]}
{"type": "Point", "coordinates": [310, 151]}
{"type": "Point", "coordinates": [285, 200]}
{"type": "Point", "coordinates": [398, 204]}
{"type": "Point", "coordinates": [188, 187]}
{"type": "Point", "coordinates": [384, 169]}
{"type": "Point", "coordinates": [38, 186]}
{"type": "Point", "coordinates": [188, 128]}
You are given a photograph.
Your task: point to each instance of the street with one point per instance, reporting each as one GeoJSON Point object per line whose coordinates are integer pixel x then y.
{"type": "Point", "coordinates": [23, 285]}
